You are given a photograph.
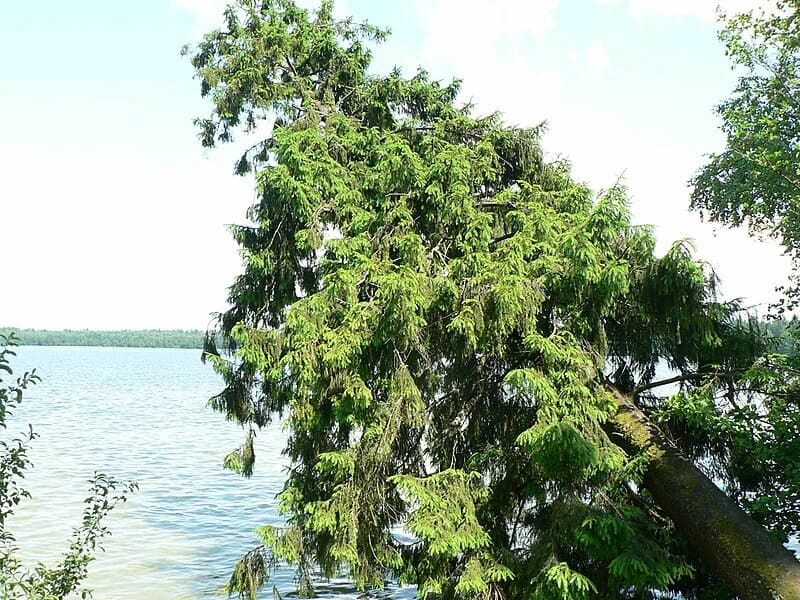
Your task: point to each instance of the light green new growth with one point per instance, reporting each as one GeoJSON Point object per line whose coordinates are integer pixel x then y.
{"type": "Point", "coordinates": [431, 306]}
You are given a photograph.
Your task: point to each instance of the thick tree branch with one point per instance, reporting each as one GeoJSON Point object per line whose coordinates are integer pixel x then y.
{"type": "Point", "coordinates": [743, 554]}
{"type": "Point", "coordinates": [661, 382]}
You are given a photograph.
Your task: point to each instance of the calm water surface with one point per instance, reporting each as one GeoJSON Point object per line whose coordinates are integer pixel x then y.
{"type": "Point", "coordinates": [141, 414]}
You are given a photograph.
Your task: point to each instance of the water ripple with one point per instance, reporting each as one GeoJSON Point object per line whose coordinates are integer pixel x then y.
{"type": "Point", "coordinates": [141, 414]}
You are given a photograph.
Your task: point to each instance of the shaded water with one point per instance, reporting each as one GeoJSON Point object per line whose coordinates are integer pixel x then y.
{"type": "Point", "coordinates": [141, 414]}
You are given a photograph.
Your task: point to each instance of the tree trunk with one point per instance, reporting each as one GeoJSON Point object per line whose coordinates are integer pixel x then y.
{"type": "Point", "coordinates": [742, 554]}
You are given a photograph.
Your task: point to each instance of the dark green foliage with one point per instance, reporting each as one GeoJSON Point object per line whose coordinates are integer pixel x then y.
{"type": "Point", "coordinates": [754, 181]}
{"type": "Point", "coordinates": [433, 309]}
{"type": "Point", "coordinates": [752, 430]}
{"type": "Point", "coordinates": [560, 450]}
{"type": "Point", "coordinates": [785, 333]}
{"type": "Point", "coordinates": [128, 338]}
{"type": "Point", "coordinates": [17, 581]}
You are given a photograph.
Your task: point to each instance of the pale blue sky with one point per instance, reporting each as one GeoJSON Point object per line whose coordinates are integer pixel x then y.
{"type": "Point", "coordinates": [112, 216]}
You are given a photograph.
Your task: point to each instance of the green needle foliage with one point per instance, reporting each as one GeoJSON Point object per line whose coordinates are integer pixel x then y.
{"type": "Point", "coordinates": [18, 581]}
{"type": "Point", "coordinates": [431, 307]}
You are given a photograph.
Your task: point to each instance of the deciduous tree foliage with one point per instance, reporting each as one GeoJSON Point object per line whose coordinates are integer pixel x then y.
{"type": "Point", "coordinates": [440, 315]}
{"type": "Point", "coordinates": [754, 181]}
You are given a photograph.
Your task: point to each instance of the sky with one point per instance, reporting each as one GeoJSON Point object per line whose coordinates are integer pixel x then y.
{"type": "Point", "coordinates": [112, 216]}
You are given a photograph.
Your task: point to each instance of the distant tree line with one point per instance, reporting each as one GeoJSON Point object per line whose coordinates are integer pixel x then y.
{"type": "Point", "coordinates": [786, 333]}
{"type": "Point", "coordinates": [22, 579]}
{"type": "Point", "coordinates": [144, 338]}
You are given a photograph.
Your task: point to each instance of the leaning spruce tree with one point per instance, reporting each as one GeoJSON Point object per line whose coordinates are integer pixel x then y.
{"type": "Point", "coordinates": [463, 343]}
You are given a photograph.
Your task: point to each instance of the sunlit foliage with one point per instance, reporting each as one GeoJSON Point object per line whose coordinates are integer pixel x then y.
{"type": "Point", "coordinates": [436, 312]}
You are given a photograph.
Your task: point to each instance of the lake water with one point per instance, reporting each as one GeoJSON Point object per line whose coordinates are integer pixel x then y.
{"type": "Point", "coordinates": [141, 414]}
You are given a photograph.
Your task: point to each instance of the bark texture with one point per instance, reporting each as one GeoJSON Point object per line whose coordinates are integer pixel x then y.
{"type": "Point", "coordinates": [752, 563]}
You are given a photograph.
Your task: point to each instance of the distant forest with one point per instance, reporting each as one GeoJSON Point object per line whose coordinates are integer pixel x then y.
{"type": "Point", "coordinates": [143, 338]}
{"type": "Point", "coordinates": [785, 333]}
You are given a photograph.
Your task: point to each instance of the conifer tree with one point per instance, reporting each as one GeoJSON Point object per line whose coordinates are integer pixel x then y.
{"type": "Point", "coordinates": [462, 339]}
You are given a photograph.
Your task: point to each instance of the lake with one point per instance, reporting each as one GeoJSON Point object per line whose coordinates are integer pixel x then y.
{"type": "Point", "coordinates": [141, 414]}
